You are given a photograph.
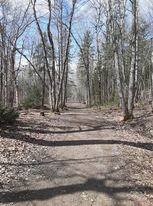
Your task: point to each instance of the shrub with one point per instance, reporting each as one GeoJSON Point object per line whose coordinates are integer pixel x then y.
{"type": "Point", "coordinates": [8, 115]}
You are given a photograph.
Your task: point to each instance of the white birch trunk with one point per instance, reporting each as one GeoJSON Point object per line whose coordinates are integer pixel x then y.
{"type": "Point", "coordinates": [151, 75]}
{"type": "Point", "coordinates": [131, 92]}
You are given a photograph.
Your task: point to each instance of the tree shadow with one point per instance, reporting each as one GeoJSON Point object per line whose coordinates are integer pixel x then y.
{"type": "Point", "coordinates": [80, 130]}
{"type": "Point", "coordinates": [62, 143]}
{"type": "Point", "coordinates": [62, 162]}
{"type": "Point", "coordinates": [97, 185]}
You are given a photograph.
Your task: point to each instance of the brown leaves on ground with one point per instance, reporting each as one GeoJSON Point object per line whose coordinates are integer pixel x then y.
{"type": "Point", "coordinates": [26, 144]}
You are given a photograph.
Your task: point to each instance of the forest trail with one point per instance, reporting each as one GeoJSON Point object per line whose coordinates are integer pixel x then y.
{"type": "Point", "coordinates": [88, 158]}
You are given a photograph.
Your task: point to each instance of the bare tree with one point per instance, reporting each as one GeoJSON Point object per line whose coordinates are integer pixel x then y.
{"type": "Point", "coordinates": [13, 25]}
{"type": "Point", "coordinates": [56, 89]}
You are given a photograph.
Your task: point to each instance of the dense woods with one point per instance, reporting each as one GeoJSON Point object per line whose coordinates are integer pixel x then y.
{"type": "Point", "coordinates": [47, 54]}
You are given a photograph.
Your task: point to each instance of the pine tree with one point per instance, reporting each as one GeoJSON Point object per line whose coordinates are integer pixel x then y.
{"type": "Point", "coordinates": [85, 68]}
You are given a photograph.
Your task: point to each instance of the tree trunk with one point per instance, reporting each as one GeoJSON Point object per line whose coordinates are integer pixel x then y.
{"type": "Point", "coordinates": [65, 86]}
{"type": "Point", "coordinates": [43, 89]}
{"type": "Point", "coordinates": [88, 88]}
{"type": "Point", "coordinates": [120, 87]}
{"type": "Point", "coordinates": [16, 95]}
{"type": "Point", "coordinates": [152, 75]}
{"type": "Point", "coordinates": [131, 91]}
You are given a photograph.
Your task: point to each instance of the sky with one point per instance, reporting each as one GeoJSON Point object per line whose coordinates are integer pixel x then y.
{"type": "Point", "coordinates": [84, 13]}
{"type": "Point", "coordinates": [85, 9]}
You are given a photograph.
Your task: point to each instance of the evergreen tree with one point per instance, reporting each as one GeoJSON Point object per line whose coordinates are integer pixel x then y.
{"type": "Point", "coordinates": [85, 68]}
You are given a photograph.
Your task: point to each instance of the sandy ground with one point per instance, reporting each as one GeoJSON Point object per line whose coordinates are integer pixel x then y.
{"type": "Point", "coordinates": [84, 157]}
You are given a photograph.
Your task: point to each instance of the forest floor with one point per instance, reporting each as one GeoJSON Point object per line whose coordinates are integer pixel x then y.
{"type": "Point", "coordinates": [83, 157]}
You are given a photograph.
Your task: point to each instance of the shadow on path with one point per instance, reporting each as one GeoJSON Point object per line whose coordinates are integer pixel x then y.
{"type": "Point", "coordinates": [41, 142]}
{"type": "Point", "coordinates": [90, 185]}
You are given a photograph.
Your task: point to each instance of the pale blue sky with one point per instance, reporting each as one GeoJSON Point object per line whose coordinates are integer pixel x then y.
{"type": "Point", "coordinates": [84, 15]}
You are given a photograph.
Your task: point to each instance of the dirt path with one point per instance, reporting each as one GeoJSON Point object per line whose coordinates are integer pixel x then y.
{"type": "Point", "coordinates": [90, 159]}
